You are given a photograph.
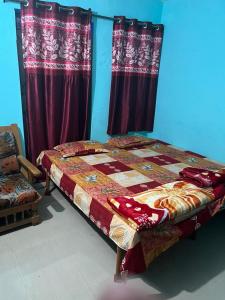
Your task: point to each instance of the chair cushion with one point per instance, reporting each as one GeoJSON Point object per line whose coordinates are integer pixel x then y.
{"type": "Point", "coordinates": [15, 190]}
{"type": "Point", "coordinates": [8, 151]}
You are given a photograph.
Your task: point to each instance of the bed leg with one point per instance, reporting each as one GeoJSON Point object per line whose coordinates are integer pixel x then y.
{"type": "Point", "coordinates": [119, 276]}
{"type": "Point", "coordinates": [47, 185]}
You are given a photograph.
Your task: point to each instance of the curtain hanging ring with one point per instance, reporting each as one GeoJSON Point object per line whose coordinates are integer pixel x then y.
{"type": "Point", "coordinates": [132, 23]}
{"type": "Point", "coordinates": [145, 26]}
{"type": "Point", "coordinates": [118, 20]}
{"type": "Point", "coordinates": [26, 3]}
{"type": "Point", "coordinates": [43, 5]}
{"type": "Point", "coordinates": [71, 12]}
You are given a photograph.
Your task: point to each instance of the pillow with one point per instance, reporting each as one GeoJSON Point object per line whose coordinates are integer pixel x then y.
{"type": "Point", "coordinates": [8, 160]}
{"type": "Point", "coordinates": [7, 144]}
{"type": "Point", "coordinates": [129, 141]}
{"type": "Point", "coordinates": [80, 148]}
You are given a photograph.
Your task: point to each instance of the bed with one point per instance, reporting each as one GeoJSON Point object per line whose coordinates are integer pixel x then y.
{"type": "Point", "coordinates": [90, 179]}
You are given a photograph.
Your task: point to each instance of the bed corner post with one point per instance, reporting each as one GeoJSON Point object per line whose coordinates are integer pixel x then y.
{"type": "Point", "coordinates": [119, 276]}
{"type": "Point", "coordinates": [47, 184]}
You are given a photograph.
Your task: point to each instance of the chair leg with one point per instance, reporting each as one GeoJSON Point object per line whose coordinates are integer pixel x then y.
{"type": "Point", "coordinates": [119, 258]}
{"type": "Point", "coordinates": [47, 185]}
{"type": "Point", "coordinates": [36, 220]}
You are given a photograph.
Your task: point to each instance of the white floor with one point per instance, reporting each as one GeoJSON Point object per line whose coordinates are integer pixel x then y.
{"type": "Point", "coordinates": [65, 258]}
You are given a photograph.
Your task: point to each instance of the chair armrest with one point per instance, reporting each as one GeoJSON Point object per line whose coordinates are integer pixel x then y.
{"type": "Point", "coordinates": [26, 164]}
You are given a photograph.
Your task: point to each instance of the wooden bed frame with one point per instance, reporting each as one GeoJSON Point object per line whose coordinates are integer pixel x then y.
{"type": "Point", "coordinates": [27, 213]}
{"type": "Point", "coordinates": [120, 253]}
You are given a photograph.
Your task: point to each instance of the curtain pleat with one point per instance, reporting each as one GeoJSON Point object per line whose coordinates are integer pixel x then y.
{"type": "Point", "coordinates": [56, 53]}
{"type": "Point", "coordinates": [135, 66]}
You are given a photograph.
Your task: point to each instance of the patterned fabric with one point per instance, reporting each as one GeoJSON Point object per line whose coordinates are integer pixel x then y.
{"type": "Point", "coordinates": [178, 198]}
{"type": "Point", "coordinates": [135, 68]}
{"type": "Point", "coordinates": [139, 216]}
{"type": "Point", "coordinates": [80, 148]}
{"type": "Point", "coordinates": [219, 191]}
{"type": "Point", "coordinates": [160, 238]}
{"type": "Point", "coordinates": [90, 180]}
{"type": "Point", "coordinates": [15, 190]}
{"type": "Point", "coordinates": [202, 177]}
{"type": "Point", "coordinates": [9, 165]}
{"type": "Point", "coordinates": [129, 141]}
{"type": "Point", "coordinates": [8, 151]}
{"type": "Point", "coordinates": [55, 42]}
{"type": "Point", "coordinates": [136, 50]}
{"type": "Point", "coordinates": [7, 144]}
{"type": "Point", "coordinates": [55, 65]}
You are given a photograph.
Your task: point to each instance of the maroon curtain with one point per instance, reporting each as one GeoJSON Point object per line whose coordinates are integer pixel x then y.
{"type": "Point", "coordinates": [56, 48]}
{"type": "Point", "coordinates": [135, 66]}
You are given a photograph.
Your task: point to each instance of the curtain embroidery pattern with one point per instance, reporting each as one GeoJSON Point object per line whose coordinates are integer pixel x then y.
{"type": "Point", "coordinates": [53, 44]}
{"type": "Point", "coordinates": [136, 53]}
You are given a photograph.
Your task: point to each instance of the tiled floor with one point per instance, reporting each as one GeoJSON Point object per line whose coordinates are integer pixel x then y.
{"type": "Point", "coordinates": [65, 258]}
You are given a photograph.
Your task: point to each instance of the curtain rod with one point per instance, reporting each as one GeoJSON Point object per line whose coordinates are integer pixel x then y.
{"type": "Point", "coordinates": [64, 8]}
{"type": "Point", "coordinates": [43, 4]}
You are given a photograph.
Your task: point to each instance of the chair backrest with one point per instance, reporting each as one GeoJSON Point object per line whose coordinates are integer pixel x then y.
{"type": "Point", "coordinates": [15, 130]}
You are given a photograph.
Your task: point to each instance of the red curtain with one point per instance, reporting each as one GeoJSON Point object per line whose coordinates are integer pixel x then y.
{"type": "Point", "coordinates": [135, 66]}
{"type": "Point", "coordinates": [56, 49]}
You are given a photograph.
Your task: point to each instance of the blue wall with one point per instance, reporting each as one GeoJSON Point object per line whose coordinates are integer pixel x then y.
{"type": "Point", "coordinates": [190, 108]}
{"type": "Point", "coordinates": [10, 101]}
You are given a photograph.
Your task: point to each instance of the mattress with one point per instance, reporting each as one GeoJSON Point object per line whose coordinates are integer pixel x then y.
{"type": "Point", "coordinates": [89, 180]}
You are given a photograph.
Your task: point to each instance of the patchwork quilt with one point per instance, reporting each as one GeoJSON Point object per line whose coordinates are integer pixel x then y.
{"type": "Point", "coordinates": [164, 203]}
{"type": "Point", "coordinates": [91, 179]}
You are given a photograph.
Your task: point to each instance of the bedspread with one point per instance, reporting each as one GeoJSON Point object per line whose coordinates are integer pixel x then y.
{"type": "Point", "coordinates": [90, 180]}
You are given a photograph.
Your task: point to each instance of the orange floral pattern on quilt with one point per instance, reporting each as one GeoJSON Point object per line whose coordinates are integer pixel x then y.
{"type": "Point", "coordinates": [178, 198]}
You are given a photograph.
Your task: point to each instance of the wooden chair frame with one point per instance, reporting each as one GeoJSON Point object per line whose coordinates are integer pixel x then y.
{"type": "Point", "coordinates": [27, 213]}
{"type": "Point", "coordinates": [26, 167]}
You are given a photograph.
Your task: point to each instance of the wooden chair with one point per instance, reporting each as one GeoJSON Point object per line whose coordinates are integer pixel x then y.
{"type": "Point", "coordinates": [28, 212]}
